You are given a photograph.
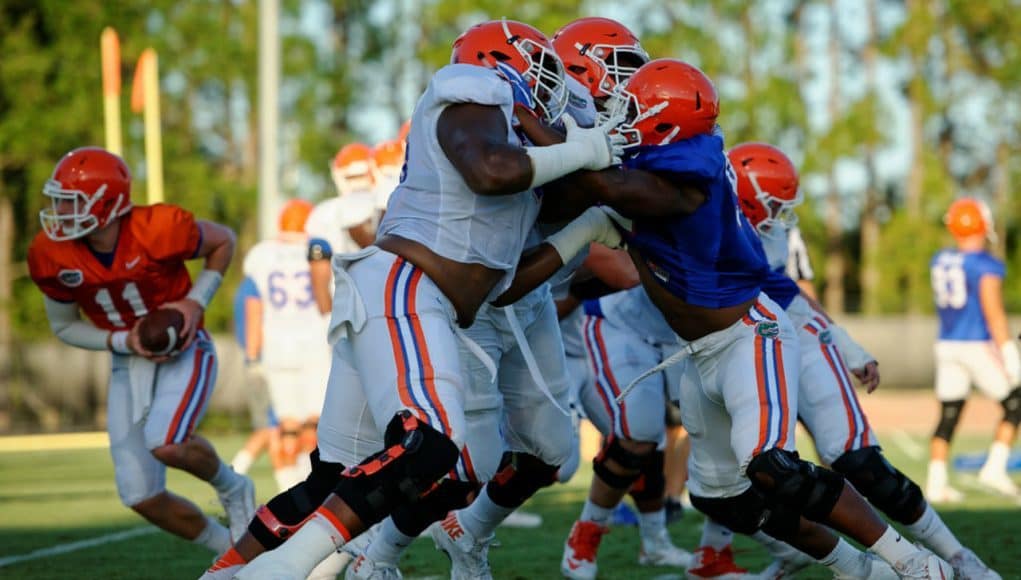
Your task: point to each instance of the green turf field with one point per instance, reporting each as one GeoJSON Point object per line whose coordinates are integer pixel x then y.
{"type": "Point", "coordinates": [58, 497]}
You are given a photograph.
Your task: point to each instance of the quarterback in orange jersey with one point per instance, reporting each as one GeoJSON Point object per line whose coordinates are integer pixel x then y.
{"type": "Point", "coordinates": [115, 263]}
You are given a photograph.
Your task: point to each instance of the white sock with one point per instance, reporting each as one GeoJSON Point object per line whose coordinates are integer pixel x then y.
{"type": "Point", "coordinates": [846, 560]}
{"type": "Point", "coordinates": [716, 536]}
{"type": "Point", "coordinates": [651, 524]}
{"type": "Point", "coordinates": [225, 480]}
{"type": "Point", "coordinates": [331, 567]}
{"type": "Point", "coordinates": [931, 530]}
{"type": "Point", "coordinates": [242, 462]}
{"type": "Point", "coordinates": [389, 544]}
{"type": "Point", "coordinates": [937, 475]}
{"type": "Point", "coordinates": [483, 516]}
{"type": "Point", "coordinates": [892, 546]}
{"type": "Point", "coordinates": [214, 536]}
{"type": "Point", "coordinates": [996, 462]}
{"type": "Point", "coordinates": [302, 552]}
{"type": "Point", "coordinates": [595, 514]}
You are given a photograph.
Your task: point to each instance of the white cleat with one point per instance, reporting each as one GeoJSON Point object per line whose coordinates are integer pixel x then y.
{"type": "Point", "coordinates": [364, 569]}
{"type": "Point", "coordinates": [787, 568]}
{"type": "Point", "coordinates": [943, 495]}
{"type": "Point", "coordinates": [660, 551]}
{"type": "Point", "coordinates": [579, 559]}
{"type": "Point", "coordinates": [924, 565]}
{"type": "Point", "coordinates": [522, 519]}
{"type": "Point", "coordinates": [877, 568]}
{"type": "Point", "coordinates": [967, 566]}
{"type": "Point", "coordinates": [469, 558]}
{"type": "Point", "coordinates": [239, 504]}
{"type": "Point", "coordinates": [999, 482]}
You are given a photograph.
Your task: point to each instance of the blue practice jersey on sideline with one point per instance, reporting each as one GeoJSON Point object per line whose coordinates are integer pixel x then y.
{"type": "Point", "coordinates": [711, 258]}
{"type": "Point", "coordinates": [955, 284]}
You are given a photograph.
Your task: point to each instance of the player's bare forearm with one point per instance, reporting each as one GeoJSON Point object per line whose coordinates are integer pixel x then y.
{"type": "Point", "coordinates": [217, 246]}
{"type": "Point", "coordinates": [533, 270]}
{"type": "Point", "coordinates": [363, 234]}
{"type": "Point", "coordinates": [320, 273]}
{"type": "Point", "coordinates": [990, 289]}
{"type": "Point", "coordinates": [633, 193]}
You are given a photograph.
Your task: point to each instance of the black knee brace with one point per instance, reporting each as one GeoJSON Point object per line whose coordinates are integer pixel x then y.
{"type": "Point", "coordinates": [748, 513]}
{"type": "Point", "coordinates": [786, 480]}
{"type": "Point", "coordinates": [949, 415]}
{"type": "Point", "coordinates": [613, 451]}
{"type": "Point", "coordinates": [284, 514]}
{"type": "Point", "coordinates": [887, 488]}
{"type": "Point", "coordinates": [1012, 407]}
{"type": "Point", "coordinates": [653, 482]}
{"type": "Point", "coordinates": [413, 519]}
{"type": "Point", "coordinates": [415, 459]}
{"type": "Point", "coordinates": [519, 477]}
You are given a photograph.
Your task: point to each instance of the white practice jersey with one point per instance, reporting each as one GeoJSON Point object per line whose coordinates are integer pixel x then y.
{"type": "Point", "coordinates": [798, 265]}
{"type": "Point", "coordinates": [434, 207]}
{"type": "Point", "coordinates": [387, 180]}
{"type": "Point", "coordinates": [774, 242]}
{"type": "Point", "coordinates": [293, 330]}
{"type": "Point", "coordinates": [329, 221]}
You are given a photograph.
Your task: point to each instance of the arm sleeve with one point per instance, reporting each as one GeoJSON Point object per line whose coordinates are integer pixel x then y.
{"type": "Point", "coordinates": [67, 324]}
{"type": "Point", "coordinates": [854, 354]}
{"type": "Point", "coordinates": [172, 233]}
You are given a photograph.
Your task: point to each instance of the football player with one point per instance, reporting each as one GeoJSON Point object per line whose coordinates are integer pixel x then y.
{"type": "Point", "coordinates": [345, 223]}
{"type": "Point", "coordinates": [287, 335]}
{"type": "Point", "coordinates": [388, 159]}
{"type": "Point", "coordinates": [738, 398]}
{"type": "Point", "coordinates": [100, 256]}
{"type": "Point", "coordinates": [450, 240]}
{"type": "Point", "coordinates": [974, 346]}
{"type": "Point", "coordinates": [767, 186]}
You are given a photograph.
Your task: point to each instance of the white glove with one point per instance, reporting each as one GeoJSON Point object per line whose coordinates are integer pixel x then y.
{"type": "Point", "coordinates": [592, 149]}
{"type": "Point", "coordinates": [593, 225]}
{"type": "Point", "coordinates": [854, 354]}
{"type": "Point", "coordinates": [1011, 362]}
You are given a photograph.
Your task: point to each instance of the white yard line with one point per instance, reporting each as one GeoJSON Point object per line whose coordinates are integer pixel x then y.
{"type": "Point", "coordinates": [907, 444]}
{"type": "Point", "coordinates": [79, 545]}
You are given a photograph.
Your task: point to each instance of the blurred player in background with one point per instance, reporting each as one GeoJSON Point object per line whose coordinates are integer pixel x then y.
{"type": "Point", "coordinates": [388, 159]}
{"type": "Point", "coordinates": [974, 346]}
{"type": "Point", "coordinates": [286, 333]}
{"type": "Point", "coordinates": [799, 266]}
{"type": "Point", "coordinates": [99, 255]}
{"type": "Point", "coordinates": [341, 224]}
{"type": "Point", "coordinates": [264, 429]}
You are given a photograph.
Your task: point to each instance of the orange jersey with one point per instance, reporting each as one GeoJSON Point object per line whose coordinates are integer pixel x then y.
{"type": "Point", "coordinates": [147, 269]}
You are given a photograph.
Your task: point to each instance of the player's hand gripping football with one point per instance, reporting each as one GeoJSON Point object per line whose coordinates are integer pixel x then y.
{"type": "Point", "coordinates": [605, 146]}
{"type": "Point", "coordinates": [192, 312]}
{"type": "Point", "coordinates": [135, 344]}
{"type": "Point", "coordinates": [868, 375]}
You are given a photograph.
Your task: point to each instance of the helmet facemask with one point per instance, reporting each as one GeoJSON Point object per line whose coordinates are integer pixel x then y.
{"type": "Point", "coordinates": [779, 212]}
{"type": "Point", "coordinates": [545, 75]}
{"type": "Point", "coordinates": [80, 222]}
{"type": "Point", "coordinates": [625, 104]}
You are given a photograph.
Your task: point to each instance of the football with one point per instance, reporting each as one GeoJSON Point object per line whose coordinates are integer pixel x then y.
{"type": "Point", "coordinates": [160, 331]}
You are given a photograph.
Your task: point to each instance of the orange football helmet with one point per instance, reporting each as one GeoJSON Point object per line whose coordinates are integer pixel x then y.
{"type": "Point", "coordinates": [767, 185]}
{"type": "Point", "coordinates": [388, 154]}
{"type": "Point", "coordinates": [665, 101]}
{"type": "Point", "coordinates": [967, 217]}
{"type": "Point", "coordinates": [402, 134]}
{"type": "Point", "coordinates": [600, 53]}
{"type": "Point", "coordinates": [90, 187]}
{"type": "Point", "coordinates": [352, 168]}
{"type": "Point", "coordinates": [294, 214]}
{"type": "Point", "coordinates": [523, 56]}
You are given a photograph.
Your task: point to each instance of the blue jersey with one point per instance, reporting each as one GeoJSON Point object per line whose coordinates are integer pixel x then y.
{"type": "Point", "coordinates": [955, 280]}
{"type": "Point", "coordinates": [780, 287]}
{"type": "Point", "coordinates": [711, 258]}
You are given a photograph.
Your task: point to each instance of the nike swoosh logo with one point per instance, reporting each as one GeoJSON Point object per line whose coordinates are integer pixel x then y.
{"type": "Point", "coordinates": [132, 263]}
